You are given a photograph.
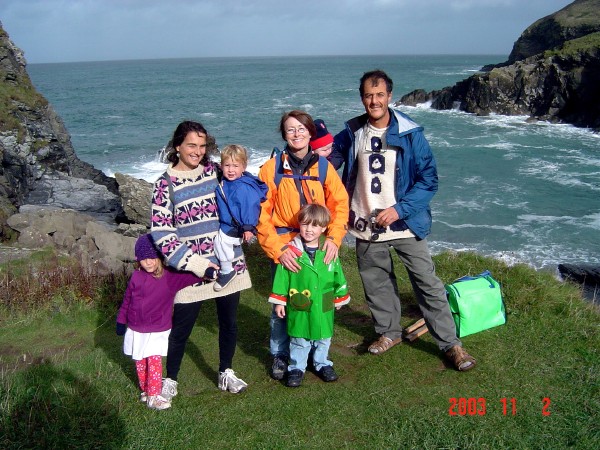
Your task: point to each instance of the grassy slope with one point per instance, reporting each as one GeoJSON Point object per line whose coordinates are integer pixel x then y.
{"type": "Point", "coordinates": [14, 94]}
{"type": "Point", "coordinates": [76, 388]}
{"type": "Point", "coordinates": [586, 44]}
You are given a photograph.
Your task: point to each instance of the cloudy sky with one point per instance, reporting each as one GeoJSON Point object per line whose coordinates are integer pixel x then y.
{"type": "Point", "coordinates": [96, 30]}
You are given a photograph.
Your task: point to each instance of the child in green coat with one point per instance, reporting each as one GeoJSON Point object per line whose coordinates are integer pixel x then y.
{"type": "Point", "coordinates": [308, 297]}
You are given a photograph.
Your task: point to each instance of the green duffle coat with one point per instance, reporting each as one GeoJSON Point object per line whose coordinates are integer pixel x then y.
{"type": "Point", "coordinates": [310, 295]}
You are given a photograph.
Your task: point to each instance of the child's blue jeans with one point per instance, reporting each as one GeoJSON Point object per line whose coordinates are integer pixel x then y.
{"type": "Point", "coordinates": [300, 348]}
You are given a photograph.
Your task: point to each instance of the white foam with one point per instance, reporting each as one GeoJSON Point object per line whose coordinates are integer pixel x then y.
{"type": "Point", "coordinates": [508, 228]}
{"type": "Point", "coordinates": [588, 221]}
{"type": "Point", "coordinates": [537, 257]}
{"type": "Point", "coordinates": [471, 205]}
{"type": "Point", "coordinates": [472, 180]}
{"type": "Point", "coordinates": [557, 173]}
{"type": "Point", "coordinates": [424, 105]}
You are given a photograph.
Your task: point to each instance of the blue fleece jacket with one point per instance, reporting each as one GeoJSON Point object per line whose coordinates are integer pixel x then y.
{"type": "Point", "coordinates": [416, 172]}
{"type": "Point", "coordinates": [239, 204]}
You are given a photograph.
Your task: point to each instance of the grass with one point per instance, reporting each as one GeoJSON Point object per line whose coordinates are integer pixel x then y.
{"type": "Point", "coordinates": [65, 382]}
{"type": "Point", "coordinates": [17, 96]}
{"type": "Point", "coordinates": [574, 47]}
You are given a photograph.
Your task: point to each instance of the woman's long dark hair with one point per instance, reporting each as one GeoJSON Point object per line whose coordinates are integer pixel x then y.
{"type": "Point", "coordinates": [179, 135]}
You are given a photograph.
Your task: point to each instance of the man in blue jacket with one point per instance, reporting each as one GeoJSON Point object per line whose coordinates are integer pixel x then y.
{"type": "Point", "coordinates": [391, 176]}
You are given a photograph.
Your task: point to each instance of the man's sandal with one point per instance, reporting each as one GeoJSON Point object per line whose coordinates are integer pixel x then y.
{"type": "Point", "coordinates": [383, 344]}
{"type": "Point", "coordinates": [461, 360]}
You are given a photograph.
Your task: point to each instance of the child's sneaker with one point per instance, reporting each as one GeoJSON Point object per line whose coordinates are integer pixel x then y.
{"type": "Point", "coordinates": [223, 279]}
{"type": "Point", "coordinates": [158, 402]}
{"type": "Point", "coordinates": [279, 368]}
{"type": "Point", "coordinates": [169, 388]}
{"type": "Point", "coordinates": [143, 397]}
{"type": "Point", "coordinates": [327, 374]}
{"type": "Point", "coordinates": [294, 378]}
{"type": "Point", "coordinates": [229, 382]}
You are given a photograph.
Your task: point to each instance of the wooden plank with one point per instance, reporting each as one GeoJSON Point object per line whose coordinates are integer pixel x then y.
{"type": "Point", "coordinates": [418, 324]}
{"type": "Point", "coordinates": [416, 333]}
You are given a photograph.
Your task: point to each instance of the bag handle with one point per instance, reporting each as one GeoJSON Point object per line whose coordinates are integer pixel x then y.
{"type": "Point", "coordinates": [485, 274]}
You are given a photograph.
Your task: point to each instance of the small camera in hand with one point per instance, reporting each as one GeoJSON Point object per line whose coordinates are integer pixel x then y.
{"type": "Point", "coordinates": [375, 227]}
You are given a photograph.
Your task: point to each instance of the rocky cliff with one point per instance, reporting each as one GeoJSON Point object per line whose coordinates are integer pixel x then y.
{"type": "Point", "coordinates": [553, 73]}
{"type": "Point", "coordinates": [38, 163]}
{"type": "Point", "coordinates": [574, 21]}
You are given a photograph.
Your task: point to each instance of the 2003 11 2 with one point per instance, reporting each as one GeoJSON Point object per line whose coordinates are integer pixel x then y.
{"type": "Point", "coordinates": [477, 406]}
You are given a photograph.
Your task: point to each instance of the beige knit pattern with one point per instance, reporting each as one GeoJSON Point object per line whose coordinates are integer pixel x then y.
{"type": "Point", "coordinates": [198, 264]}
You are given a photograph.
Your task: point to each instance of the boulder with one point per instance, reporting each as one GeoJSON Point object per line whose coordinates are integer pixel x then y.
{"type": "Point", "coordinates": [79, 194]}
{"type": "Point", "coordinates": [586, 275]}
{"type": "Point", "coordinates": [101, 247]}
{"type": "Point", "coordinates": [136, 197]}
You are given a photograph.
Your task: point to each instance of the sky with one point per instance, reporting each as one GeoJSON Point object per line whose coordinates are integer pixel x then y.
{"type": "Point", "coordinates": [99, 30]}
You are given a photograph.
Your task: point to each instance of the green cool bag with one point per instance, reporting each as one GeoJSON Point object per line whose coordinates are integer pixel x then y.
{"type": "Point", "coordinates": [476, 303]}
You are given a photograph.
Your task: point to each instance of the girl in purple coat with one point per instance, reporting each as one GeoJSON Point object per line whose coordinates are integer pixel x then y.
{"type": "Point", "coordinates": [145, 318]}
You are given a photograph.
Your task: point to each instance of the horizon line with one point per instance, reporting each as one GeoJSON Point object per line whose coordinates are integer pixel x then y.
{"type": "Point", "coordinates": [269, 57]}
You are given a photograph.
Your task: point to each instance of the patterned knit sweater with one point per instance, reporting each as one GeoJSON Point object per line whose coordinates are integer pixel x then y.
{"type": "Point", "coordinates": [184, 227]}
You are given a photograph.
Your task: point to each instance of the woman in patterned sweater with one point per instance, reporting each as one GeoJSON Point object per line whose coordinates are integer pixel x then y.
{"type": "Point", "coordinates": [184, 223]}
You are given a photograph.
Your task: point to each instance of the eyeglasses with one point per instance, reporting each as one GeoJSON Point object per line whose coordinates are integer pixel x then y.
{"type": "Point", "coordinates": [299, 130]}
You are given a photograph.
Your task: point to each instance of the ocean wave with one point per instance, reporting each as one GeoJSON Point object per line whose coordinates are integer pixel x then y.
{"type": "Point", "coordinates": [509, 228]}
{"type": "Point", "coordinates": [474, 179]}
{"type": "Point", "coordinates": [539, 257]}
{"type": "Point", "coordinates": [471, 205]}
{"type": "Point", "coordinates": [588, 221]}
{"type": "Point", "coordinates": [564, 130]}
{"type": "Point", "coordinates": [558, 173]}
{"type": "Point", "coordinates": [499, 145]}
{"type": "Point", "coordinates": [424, 105]}
{"type": "Point", "coordinates": [492, 119]}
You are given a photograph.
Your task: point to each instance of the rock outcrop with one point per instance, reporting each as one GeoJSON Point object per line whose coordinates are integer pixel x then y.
{"type": "Point", "coordinates": [48, 196]}
{"type": "Point", "coordinates": [588, 276]}
{"type": "Point", "coordinates": [101, 247]}
{"type": "Point", "coordinates": [99, 243]}
{"type": "Point", "coordinates": [559, 83]}
{"type": "Point", "coordinates": [38, 162]}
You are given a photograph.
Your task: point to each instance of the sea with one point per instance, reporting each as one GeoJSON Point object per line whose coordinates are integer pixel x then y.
{"type": "Point", "coordinates": [518, 191]}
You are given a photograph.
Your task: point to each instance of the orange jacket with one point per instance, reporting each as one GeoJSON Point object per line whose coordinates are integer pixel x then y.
{"type": "Point", "coordinates": [281, 207]}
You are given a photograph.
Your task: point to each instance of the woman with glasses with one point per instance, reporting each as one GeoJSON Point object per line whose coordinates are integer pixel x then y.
{"type": "Point", "coordinates": [297, 177]}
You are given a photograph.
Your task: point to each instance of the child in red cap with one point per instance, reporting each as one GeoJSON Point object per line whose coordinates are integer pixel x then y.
{"type": "Point", "coordinates": [321, 144]}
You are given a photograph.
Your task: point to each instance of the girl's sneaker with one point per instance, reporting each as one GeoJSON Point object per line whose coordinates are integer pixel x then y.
{"type": "Point", "coordinates": [158, 402]}
{"type": "Point", "coordinates": [143, 397]}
